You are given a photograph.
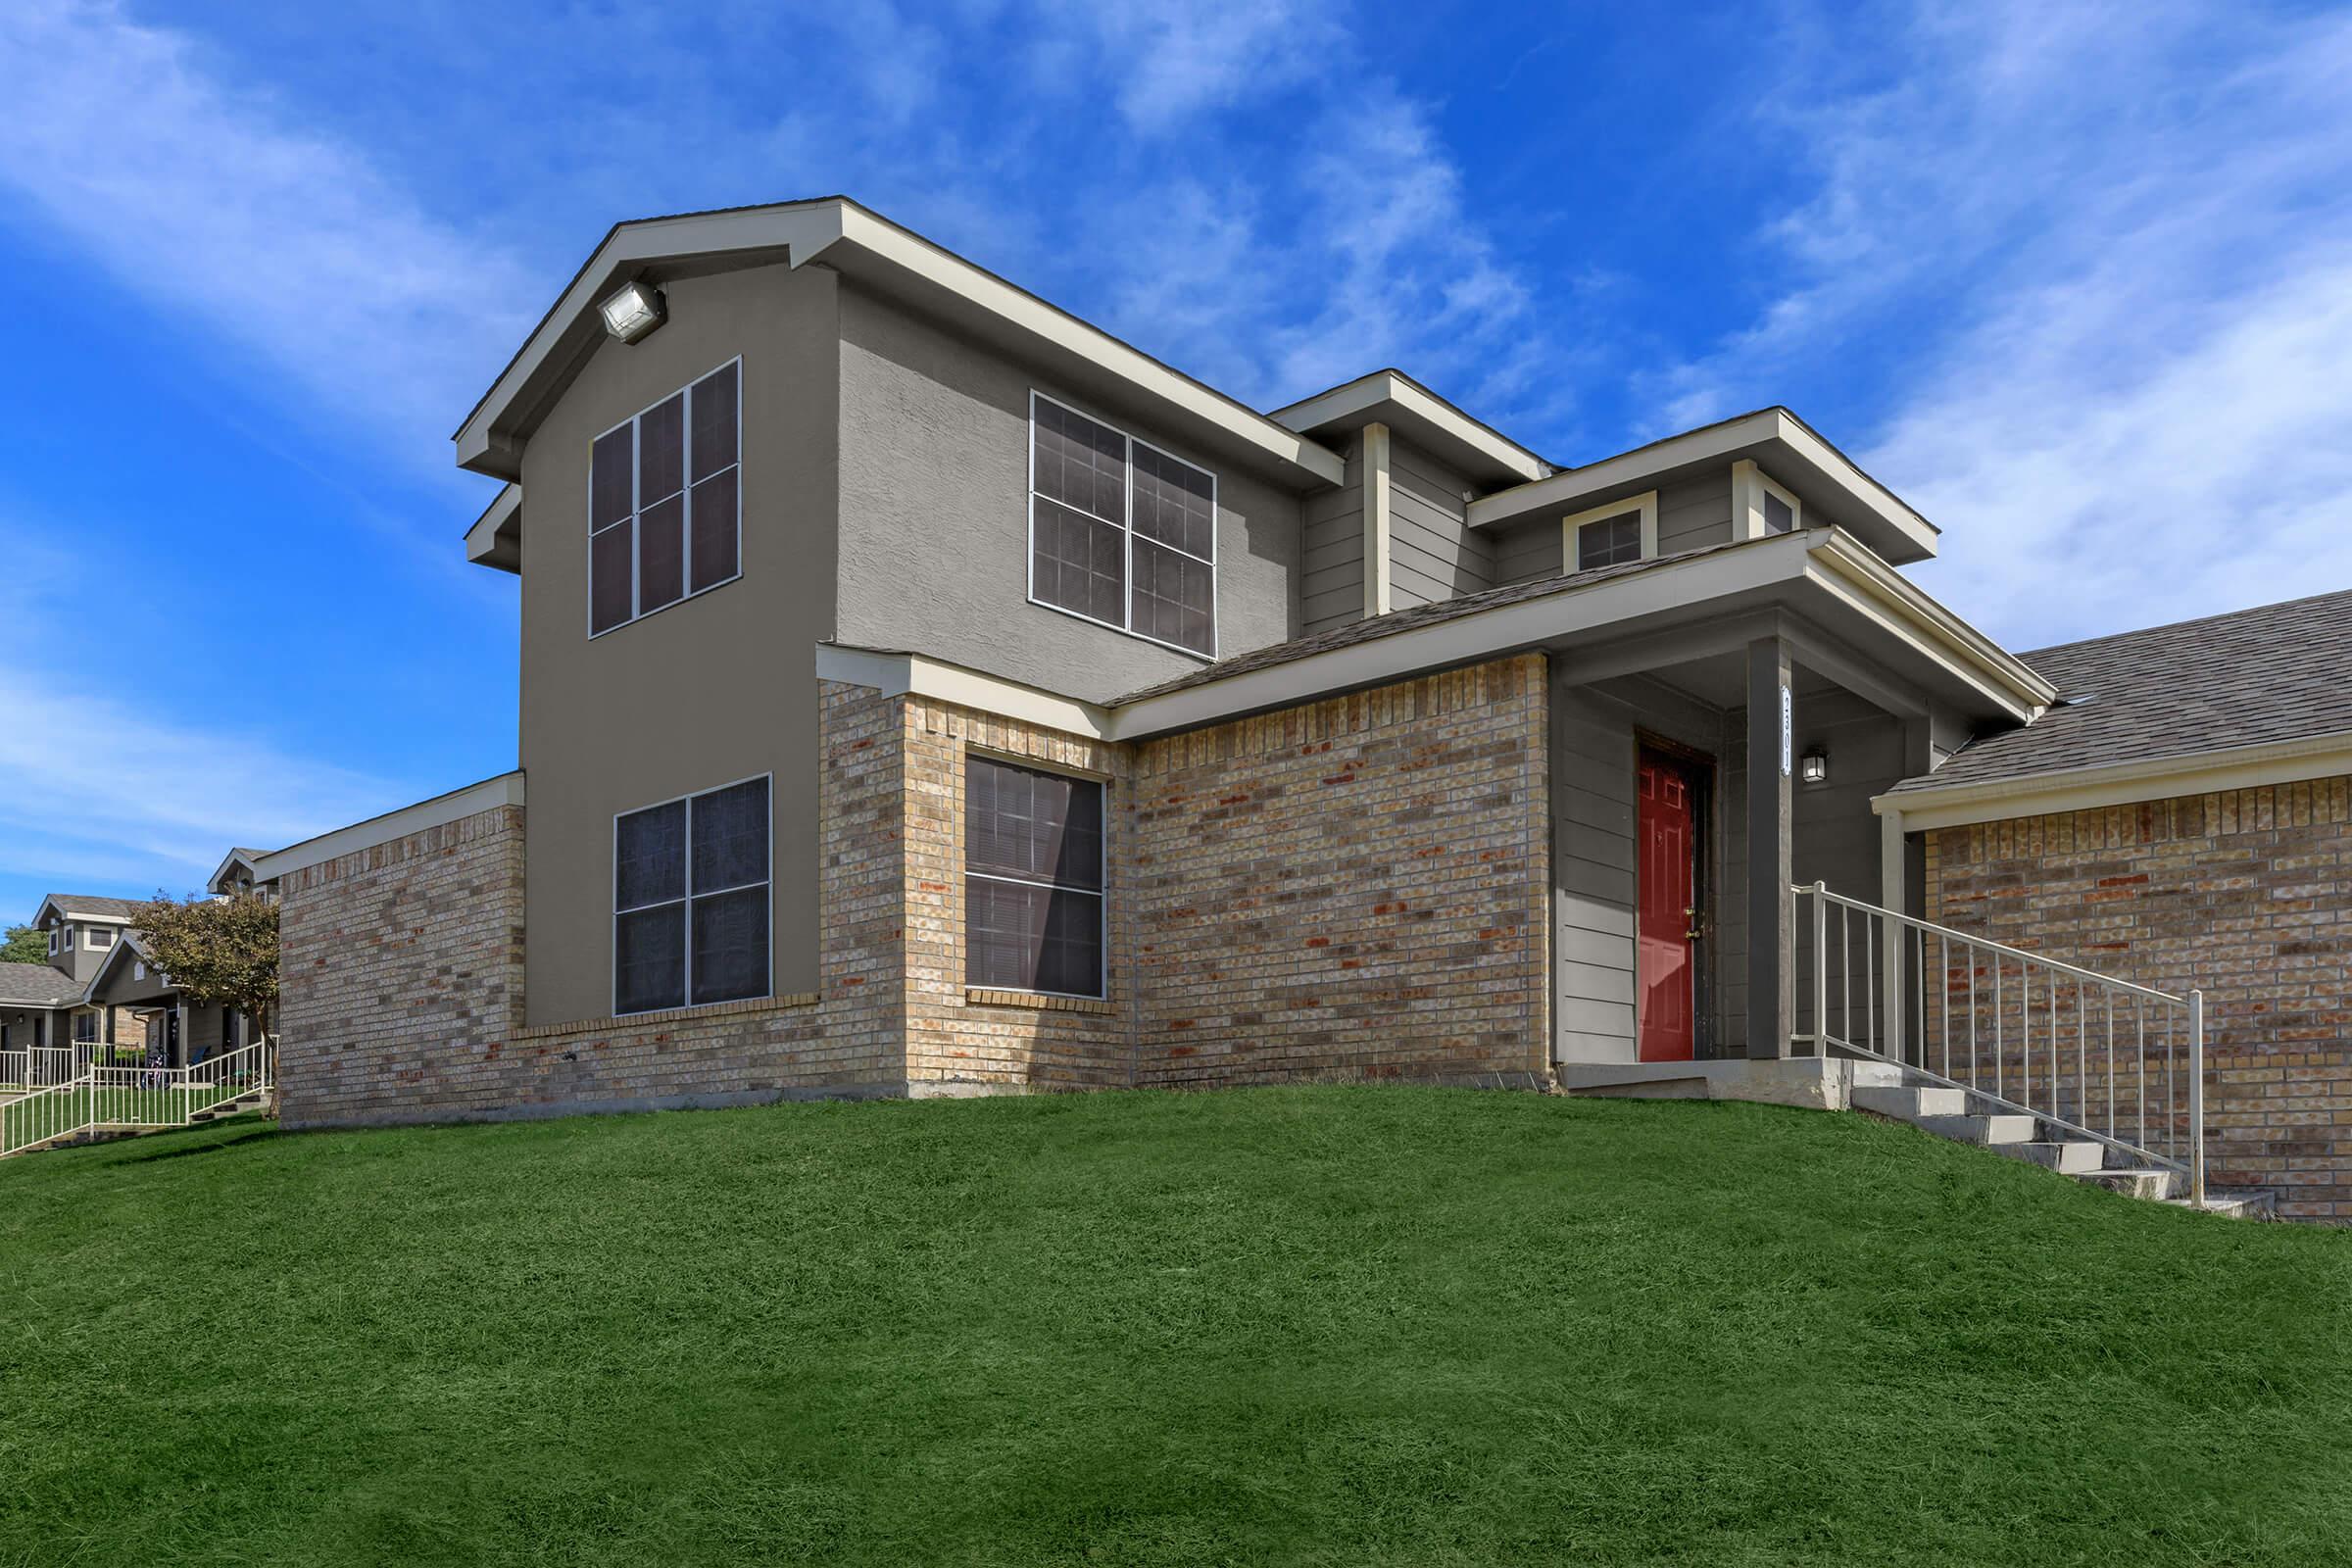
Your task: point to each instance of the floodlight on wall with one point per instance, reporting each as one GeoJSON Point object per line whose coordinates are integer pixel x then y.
{"type": "Point", "coordinates": [1814, 767]}
{"type": "Point", "coordinates": [632, 311]}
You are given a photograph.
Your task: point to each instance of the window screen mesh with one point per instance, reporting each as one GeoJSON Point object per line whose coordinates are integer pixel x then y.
{"type": "Point", "coordinates": [653, 541]}
{"type": "Point", "coordinates": [1033, 885]}
{"type": "Point", "coordinates": [1121, 532]}
{"type": "Point", "coordinates": [1779, 516]}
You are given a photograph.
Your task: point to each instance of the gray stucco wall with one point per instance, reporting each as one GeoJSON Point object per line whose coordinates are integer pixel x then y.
{"type": "Point", "coordinates": [713, 689]}
{"type": "Point", "coordinates": [935, 519]}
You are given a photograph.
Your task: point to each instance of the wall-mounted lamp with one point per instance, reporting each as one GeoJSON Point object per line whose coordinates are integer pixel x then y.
{"type": "Point", "coordinates": [1814, 766]}
{"type": "Point", "coordinates": [632, 311]}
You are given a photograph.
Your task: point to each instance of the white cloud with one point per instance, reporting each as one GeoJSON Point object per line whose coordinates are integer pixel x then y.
{"type": "Point", "coordinates": [2094, 265]}
{"type": "Point", "coordinates": [194, 193]}
{"type": "Point", "coordinates": [100, 784]}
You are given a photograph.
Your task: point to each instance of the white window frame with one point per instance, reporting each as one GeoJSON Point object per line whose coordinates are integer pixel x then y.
{"type": "Point", "coordinates": [1126, 524]}
{"type": "Point", "coordinates": [686, 899]}
{"type": "Point", "coordinates": [1749, 486]}
{"type": "Point", "coordinates": [1078, 775]}
{"type": "Point", "coordinates": [92, 934]}
{"type": "Point", "coordinates": [636, 507]}
{"type": "Point", "coordinates": [1646, 503]}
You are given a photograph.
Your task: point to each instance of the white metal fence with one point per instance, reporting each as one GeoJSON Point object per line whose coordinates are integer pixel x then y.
{"type": "Point", "coordinates": [2120, 1064]}
{"type": "Point", "coordinates": [105, 1098]}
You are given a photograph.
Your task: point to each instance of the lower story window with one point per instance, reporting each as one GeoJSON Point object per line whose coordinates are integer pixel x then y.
{"type": "Point", "coordinates": [1034, 899]}
{"type": "Point", "coordinates": [690, 901]}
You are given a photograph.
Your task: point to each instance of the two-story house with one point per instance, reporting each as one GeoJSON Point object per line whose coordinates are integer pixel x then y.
{"type": "Point", "coordinates": [924, 691]}
{"type": "Point", "coordinates": [48, 1019]}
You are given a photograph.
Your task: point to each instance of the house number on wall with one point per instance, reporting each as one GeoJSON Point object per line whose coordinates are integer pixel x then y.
{"type": "Point", "coordinates": [1787, 731]}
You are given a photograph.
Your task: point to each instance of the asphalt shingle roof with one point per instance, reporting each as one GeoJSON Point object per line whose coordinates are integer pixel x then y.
{"type": "Point", "coordinates": [91, 904]}
{"type": "Point", "coordinates": [1399, 620]}
{"type": "Point", "coordinates": [36, 985]}
{"type": "Point", "coordinates": [2280, 672]}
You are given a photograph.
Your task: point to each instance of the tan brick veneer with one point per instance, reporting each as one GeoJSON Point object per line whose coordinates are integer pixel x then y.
{"type": "Point", "coordinates": [1351, 888]}
{"type": "Point", "coordinates": [2246, 895]}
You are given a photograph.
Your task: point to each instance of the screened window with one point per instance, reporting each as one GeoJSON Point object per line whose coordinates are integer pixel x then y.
{"type": "Point", "coordinates": [1779, 513]}
{"type": "Point", "coordinates": [1119, 531]}
{"type": "Point", "coordinates": [690, 901]}
{"type": "Point", "coordinates": [1033, 880]}
{"type": "Point", "coordinates": [100, 938]}
{"type": "Point", "coordinates": [1609, 541]}
{"type": "Point", "coordinates": [665, 511]}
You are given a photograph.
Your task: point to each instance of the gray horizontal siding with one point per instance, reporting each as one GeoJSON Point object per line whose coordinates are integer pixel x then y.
{"type": "Point", "coordinates": [1432, 555]}
{"type": "Point", "coordinates": [1332, 588]}
{"type": "Point", "coordinates": [1694, 514]}
{"type": "Point", "coordinates": [1529, 551]}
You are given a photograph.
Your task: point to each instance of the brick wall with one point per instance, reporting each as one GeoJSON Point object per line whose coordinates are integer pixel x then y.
{"type": "Point", "coordinates": [2246, 895]}
{"type": "Point", "coordinates": [1353, 888]}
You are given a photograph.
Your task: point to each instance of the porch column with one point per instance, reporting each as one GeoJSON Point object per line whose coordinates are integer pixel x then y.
{"type": "Point", "coordinates": [1893, 895]}
{"type": "Point", "coordinates": [1770, 862]}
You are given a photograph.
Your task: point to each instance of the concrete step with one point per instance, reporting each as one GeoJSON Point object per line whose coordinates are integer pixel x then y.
{"type": "Point", "coordinates": [2071, 1156]}
{"type": "Point", "coordinates": [2235, 1205]}
{"type": "Point", "coordinates": [2002, 1130]}
{"type": "Point", "coordinates": [2152, 1182]}
{"type": "Point", "coordinates": [1911, 1102]}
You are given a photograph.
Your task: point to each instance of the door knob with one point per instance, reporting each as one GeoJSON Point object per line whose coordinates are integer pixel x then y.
{"type": "Point", "coordinates": [1695, 922]}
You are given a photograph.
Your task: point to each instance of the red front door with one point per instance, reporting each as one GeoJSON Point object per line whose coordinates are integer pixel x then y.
{"type": "Point", "coordinates": [1667, 895]}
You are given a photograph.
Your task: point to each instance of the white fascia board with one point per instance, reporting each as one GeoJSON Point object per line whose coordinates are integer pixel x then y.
{"type": "Point", "coordinates": [482, 544]}
{"type": "Point", "coordinates": [2087, 789]}
{"type": "Point", "coordinates": [899, 674]}
{"type": "Point", "coordinates": [860, 243]}
{"type": "Point", "coordinates": [454, 807]}
{"type": "Point", "coordinates": [1572, 489]}
{"type": "Point", "coordinates": [1367, 396]}
{"type": "Point", "coordinates": [1851, 568]}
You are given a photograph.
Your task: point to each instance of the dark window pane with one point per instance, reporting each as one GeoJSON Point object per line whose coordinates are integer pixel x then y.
{"type": "Point", "coordinates": [730, 837]}
{"type": "Point", "coordinates": [1174, 598]}
{"type": "Point", "coordinates": [1172, 504]}
{"type": "Point", "coordinates": [715, 421]}
{"type": "Point", "coordinates": [1027, 937]}
{"type": "Point", "coordinates": [649, 854]}
{"type": "Point", "coordinates": [662, 450]}
{"type": "Point", "coordinates": [1779, 516]}
{"type": "Point", "coordinates": [660, 554]}
{"type": "Point", "coordinates": [611, 484]}
{"type": "Point", "coordinates": [715, 530]}
{"type": "Point", "coordinates": [1079, 462]}
{"type": "Point", "coordinates": [1021, 823]}
{"type": "Point", "coordinates": [730, 945]}
{"type": "Point", "coordinates": [1609, 541]}
{"type": "Point", "coordinates": [608, 561]}
{"type": "Point", "coordinates": [649, 959]}
{"type": "Point", "coordinates": [1079, 564]}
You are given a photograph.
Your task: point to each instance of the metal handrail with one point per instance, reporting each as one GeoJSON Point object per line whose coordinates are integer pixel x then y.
{"type": "Point", "coordinates": [140, 1097]}
{"type": "Point", "coordinates": [1894, 942]}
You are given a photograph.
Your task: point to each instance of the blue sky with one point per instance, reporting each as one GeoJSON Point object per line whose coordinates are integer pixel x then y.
{"type": "Point", "coordinates": [2075, 280]}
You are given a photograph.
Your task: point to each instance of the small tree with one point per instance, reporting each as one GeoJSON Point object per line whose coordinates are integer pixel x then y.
{"type": "Point", "coordinates": [24, 944]}
{"type": "Point", "coordinates": [217, 951]}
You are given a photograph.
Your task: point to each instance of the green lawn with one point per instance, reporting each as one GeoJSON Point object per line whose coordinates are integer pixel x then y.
{"type": "Point", "coordinates": [1340, 1326]}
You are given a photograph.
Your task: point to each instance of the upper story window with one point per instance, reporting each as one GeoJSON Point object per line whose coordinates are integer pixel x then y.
{"type": "Point", "coordinates": [664, 502]}
{"type": "Point", "coordinates": [1033, 880]}
{"type": "Point", "coordinates": [60, 940]}
{"type": "Point", "coordinates": [98, 938]}
{"type": "Point", "coordinates": [1119, 531]}
{"type": "Point", "coordinates": [1611, 535]}
{"type": "Point", "coordinates": [1783, 511]}
{"type": "Point", "coordinates": [690, 901]}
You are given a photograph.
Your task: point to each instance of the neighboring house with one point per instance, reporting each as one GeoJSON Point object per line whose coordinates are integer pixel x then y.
{"type": "Point", "coordinates": [48, 1007]}
{"type": "Point", "coordinates": [101, 989]}
{"type": "Point", "coordinates": [924, 693]}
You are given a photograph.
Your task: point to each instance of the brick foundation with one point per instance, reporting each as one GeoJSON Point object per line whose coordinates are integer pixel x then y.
{"type": "Point", "coordinates": [1351, 888]}
{"type": "Point", "coordinates": [2246, 895]}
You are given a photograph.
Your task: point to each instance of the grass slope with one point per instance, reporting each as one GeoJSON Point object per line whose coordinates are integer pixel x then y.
{"type": "Point", "coordinates": [1317, 1325]}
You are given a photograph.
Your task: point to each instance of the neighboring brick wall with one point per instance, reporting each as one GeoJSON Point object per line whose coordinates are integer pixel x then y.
{"type": "Point", "coordinates": [1358, 887]}
{"type": "Point", "coordinates": [2246, 895]}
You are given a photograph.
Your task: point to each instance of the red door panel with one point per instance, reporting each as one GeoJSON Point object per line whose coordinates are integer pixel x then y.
{"type": "Point", "coordinates": [1665, 892]}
